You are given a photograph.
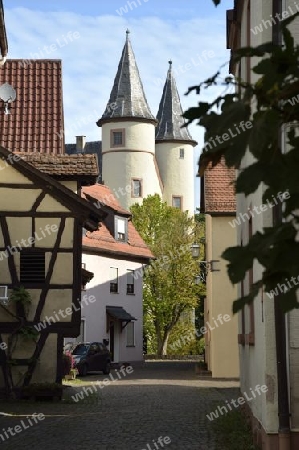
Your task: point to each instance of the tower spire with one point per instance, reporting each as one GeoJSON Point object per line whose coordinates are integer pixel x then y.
{"type": "Point", "coordinates": [170, 113]}
{"type": "Point", "coordinates": [127, 98]}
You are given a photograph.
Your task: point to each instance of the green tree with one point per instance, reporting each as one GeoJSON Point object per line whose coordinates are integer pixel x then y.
{"type": "Point", "coordinates": [169, 282]}
{"type": "Point", "coordinates": [269, 106]}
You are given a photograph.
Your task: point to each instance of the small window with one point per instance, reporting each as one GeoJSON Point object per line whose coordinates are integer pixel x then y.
{"type": "Point", "coordinates": [130, 281]}
{"type": "Point", "coordinates": [117, 138]}
{"type": "Point", "coordinates": [114, 280]}
{"type": "Point", "coordinates": [32, 267]}
{"type": "Point", "coordinates": [130, 334]}
{"type": "Point", "coordinates": [121, 229]}
{"type": "Point", "coordinates": [182, 153]}
{"type": "Point", "coordinates": [177, 202]}
{"type": "Point", "coordinates": [136, 188]}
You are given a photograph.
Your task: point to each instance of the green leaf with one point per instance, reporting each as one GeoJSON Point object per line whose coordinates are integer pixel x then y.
{"type": "Point", "coordinates": [239, 304]}
{"type": "Point", "coordinates": [250, 178]}
{"type": "Point", "coordinates": [240, 261]}
{"type": "Point", "coordinates": [196, 113]}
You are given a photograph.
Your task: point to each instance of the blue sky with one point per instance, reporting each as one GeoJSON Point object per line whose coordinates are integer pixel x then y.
{"type": "Point", "coordinates": [89, 36]}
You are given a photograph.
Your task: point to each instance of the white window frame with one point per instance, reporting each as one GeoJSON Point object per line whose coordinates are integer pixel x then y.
{"type": "Point", "coordinates": [124, 228]}
{"type": "Point", "coordinates": [117, 280]}
{"type": "Point", "coordinates": [133, 279]}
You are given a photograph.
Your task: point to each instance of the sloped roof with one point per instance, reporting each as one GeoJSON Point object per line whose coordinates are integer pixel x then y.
{"type": "Point", "coordinates": [36, 120]}
{"type": "Point", "coordinates": [64, 166]}
{"type": "Point", "coordinates": [102, 240]}
{"type": "Point", "coordinates": [218, 196]}
{"type": "Point", "coordinates": [127, 98]}
{"type": "Point", "coordinates": [82, 209]}
{"type": "Point", "coordinates": [103, 194]}
{"type": "Point", "coordinates": [170, 113]}
{"type": "Point", "coordinates": [118, 312]}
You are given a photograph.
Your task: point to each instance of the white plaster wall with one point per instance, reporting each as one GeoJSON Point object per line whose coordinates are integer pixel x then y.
{"type": "Point", "coordinates": [138, 135]}
{"type": "Point", "coordinates": [119, 166]}
{"type": "Point", "coordinates": [258, 362]}
{"type": "Point", "coordinates": [95, 313]}
{"type": "Point", "coordinates": [177, 173]}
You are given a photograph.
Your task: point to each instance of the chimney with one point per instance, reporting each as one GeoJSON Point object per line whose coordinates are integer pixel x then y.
{"type": "Point", "coordinates": [80, 144]}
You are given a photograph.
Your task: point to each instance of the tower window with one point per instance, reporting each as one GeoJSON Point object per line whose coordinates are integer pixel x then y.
{"type": "Point", "coordinates": [117, 138]}
{"type": "Point", "coordinates": [136, 188]}
{"type": "Point", "coordinates": [182, 153]}
{"type": "Point", "coordinates": [177, 201]}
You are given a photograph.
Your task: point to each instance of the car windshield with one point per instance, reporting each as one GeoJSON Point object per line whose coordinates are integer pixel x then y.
{"type": "Point", "coordinates": [80, 349]}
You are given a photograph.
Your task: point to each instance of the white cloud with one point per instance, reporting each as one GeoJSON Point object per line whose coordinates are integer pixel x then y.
{"type": "Point", "coordinates": [90, 62]}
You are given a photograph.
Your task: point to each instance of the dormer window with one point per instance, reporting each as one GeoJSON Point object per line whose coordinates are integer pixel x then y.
{"type": "Point", "coordinates": [121, 229]}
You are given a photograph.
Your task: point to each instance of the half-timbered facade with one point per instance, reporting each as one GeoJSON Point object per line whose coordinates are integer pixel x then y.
{"type": "Point", "coordinates": [40, 249]}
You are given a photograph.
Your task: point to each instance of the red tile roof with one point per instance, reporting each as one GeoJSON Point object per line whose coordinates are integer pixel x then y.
{"type": "Point", "coordinates": [104, 195]}
{"type": "Point", "coordinates": [219, 192]}
{"type": "Point", "coordinates": [63, 166]}
{"type": "Point", "coordinates": [102, 240]}
{"type": "Point", "coordinates": [36, 120]}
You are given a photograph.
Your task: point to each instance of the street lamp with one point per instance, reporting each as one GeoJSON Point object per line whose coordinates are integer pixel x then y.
{"type": "Point", "coordinates": [195, 250]}
{"type": "Point", "coordinates": [204, 266]}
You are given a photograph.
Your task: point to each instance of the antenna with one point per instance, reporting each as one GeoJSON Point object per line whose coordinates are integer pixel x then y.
{"type": "Point", "coordinates": [7, 95]}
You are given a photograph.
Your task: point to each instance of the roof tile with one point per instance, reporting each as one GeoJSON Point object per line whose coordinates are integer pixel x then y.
{"type": "Point", "coordinates": [36, 120]}
{"type": "Point", "coordinates": [63, 165]}
{"type": "Point", "coordinates": [219, 190]}
{"type": "Point", "coordinates": [102, 239]}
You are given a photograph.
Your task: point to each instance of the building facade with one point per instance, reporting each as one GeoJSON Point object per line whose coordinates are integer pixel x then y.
{"type": "Point", "coordinates": [261, 361]}
{"type": "Point", "coordinates": [112, 302]}
{"type": "Point", "coordinates": [219, 206]}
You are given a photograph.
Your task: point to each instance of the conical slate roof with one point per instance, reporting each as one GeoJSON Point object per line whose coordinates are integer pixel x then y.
{"type": "Point", "coordinates": [127, 98]}
{"type": "Point", "coordinates": [170, 113]}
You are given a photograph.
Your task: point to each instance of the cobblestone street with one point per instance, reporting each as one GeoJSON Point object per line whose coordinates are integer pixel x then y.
{"type": "Point", "coordinates": [159, 399]}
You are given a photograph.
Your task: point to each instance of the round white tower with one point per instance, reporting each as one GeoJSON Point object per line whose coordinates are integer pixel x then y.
{"type": "Point", "coordinates": [174, 149]}
{"type": "Point", "coordinates": [129, 166]}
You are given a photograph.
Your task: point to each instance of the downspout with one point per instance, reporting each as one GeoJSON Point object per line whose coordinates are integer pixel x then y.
{"type": "Point", "coordinates": [284, 435]}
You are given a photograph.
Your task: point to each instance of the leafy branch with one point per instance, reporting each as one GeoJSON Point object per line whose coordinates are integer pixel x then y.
{"type": "Point", "coordinates": [266, 106]}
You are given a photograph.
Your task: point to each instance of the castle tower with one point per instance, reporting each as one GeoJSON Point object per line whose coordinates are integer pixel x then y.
{"type": "Point", "coordinates": [129, 166]}
{"type": "Point", "coordinates": [174, 149]}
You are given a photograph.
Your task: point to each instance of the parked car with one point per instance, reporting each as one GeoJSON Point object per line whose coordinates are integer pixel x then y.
{"type": "Point", "coordinates": [93, 356]}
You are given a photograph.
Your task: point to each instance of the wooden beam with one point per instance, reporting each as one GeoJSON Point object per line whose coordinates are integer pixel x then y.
{"type": "Point", "coordinates": [36, 214]}
{"type": "Point", "coordinates": [11, 261]}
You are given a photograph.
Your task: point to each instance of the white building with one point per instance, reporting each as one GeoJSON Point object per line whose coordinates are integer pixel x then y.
{"type": "Point", "coordinates": [112, 306]}
{"type": "Point", "coordinates": [139, 154]}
